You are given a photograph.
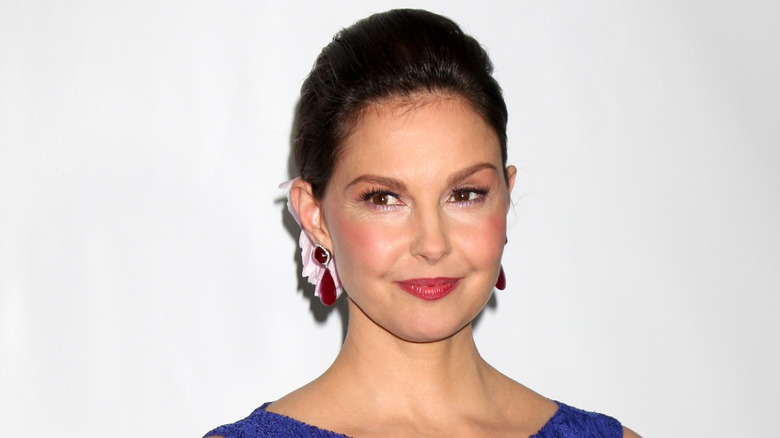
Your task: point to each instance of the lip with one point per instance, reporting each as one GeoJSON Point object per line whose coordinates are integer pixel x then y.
{"type": "Point", "coordinates": [429, 289]}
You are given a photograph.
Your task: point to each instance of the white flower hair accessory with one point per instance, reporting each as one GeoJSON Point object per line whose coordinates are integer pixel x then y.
{"type": "Point", "coordinates": [317, 272]}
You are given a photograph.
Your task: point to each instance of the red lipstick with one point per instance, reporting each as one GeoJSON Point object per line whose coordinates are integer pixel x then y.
{"type": "Point", "coordinates": [429, 289]}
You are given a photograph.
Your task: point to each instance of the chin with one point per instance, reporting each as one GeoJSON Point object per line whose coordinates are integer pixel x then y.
{"type": "Point", "coordinates": [425, 330]}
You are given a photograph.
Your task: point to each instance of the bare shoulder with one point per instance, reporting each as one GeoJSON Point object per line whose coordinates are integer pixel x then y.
{"type": "Point", "coordinates": [526, 398]}
{"type": "Point", "coordinates": [628, 433]}
{"type": "Point", "coordinates": [533, 402]}
{"type": "Point", "coordinates": [527, 407]}
{"type": "Point", "coordinates": [289, 404]}
{"type": "Point", "coordinates": [303, 404]}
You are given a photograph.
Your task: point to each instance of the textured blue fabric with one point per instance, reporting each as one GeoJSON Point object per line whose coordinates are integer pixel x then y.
{"type": "Point", "coordinates": [568, 422]}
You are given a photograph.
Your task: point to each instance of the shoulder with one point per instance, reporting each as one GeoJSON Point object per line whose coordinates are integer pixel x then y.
{"type": "Point", "coordinates": [262, 424]}
{"type": "Point", "coordinates": [241, 428]}
{"type": "Point", "coordinates": [569, 422]}
{"type": "Point", "coordinates": [628, 433]}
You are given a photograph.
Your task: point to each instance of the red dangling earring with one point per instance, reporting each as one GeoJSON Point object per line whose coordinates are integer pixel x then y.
{"type": "Point", "coordinates": [326, 288]}
{"type": "Point", "coordinates": [501, 282]}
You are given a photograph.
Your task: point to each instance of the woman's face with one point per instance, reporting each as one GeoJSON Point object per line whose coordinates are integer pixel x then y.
{"type": "Point", "coordinates": [416, 215]}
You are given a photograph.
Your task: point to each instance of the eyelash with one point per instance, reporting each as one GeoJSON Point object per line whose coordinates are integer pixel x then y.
{"type": "Point", "coordinates": [367, 195]}
{"type": "Point", "coordinates": [481, 193]}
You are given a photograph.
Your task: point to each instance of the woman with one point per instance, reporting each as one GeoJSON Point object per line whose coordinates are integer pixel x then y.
{"type": "Point", "coordinates": [400, 141]}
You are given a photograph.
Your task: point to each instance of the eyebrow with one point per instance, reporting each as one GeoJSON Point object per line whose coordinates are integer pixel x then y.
{"type": "Point", "coordinates": [398, 186]}
{"type": "Point", "coordinates": [467, 172]}
{"type": "Point", "coordinates": [391, 183]}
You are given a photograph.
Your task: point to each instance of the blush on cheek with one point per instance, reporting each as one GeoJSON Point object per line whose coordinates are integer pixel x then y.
{"type": "Point", "coordinates": [360, 241]}
{"type": "Point", "coordinates": [486, 238]}
{"type": "Point", "coordinates": [361, 247]}
{"type": "Point", "coordinates": [497, 223]}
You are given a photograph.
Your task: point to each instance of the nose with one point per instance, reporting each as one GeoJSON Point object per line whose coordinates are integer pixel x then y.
{"type": "Point", "coordinates": [431, 241]}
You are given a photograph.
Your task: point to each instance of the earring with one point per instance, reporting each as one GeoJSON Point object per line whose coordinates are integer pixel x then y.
{"type": "Point", "coordinates": [501, 282]}
{"type": "Point", "coordinates": [326, 288]}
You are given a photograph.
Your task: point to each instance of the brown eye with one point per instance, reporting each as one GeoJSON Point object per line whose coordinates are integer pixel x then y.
{"type": "Point", "coordinates": [467, 195]}
{"type": "Point", "coordinates": [379, 199]}
{"type": "Point", "coordinates": [461, 195]}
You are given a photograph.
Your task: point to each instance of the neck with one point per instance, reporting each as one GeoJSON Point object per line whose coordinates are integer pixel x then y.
{"type": "Point", "coordinates": [383, 370]}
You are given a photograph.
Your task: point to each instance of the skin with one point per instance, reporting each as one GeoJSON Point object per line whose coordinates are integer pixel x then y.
{"type": "Point", "coordinates": [419, 192]}
{"type": "Point", "coordinates": [422, 220]}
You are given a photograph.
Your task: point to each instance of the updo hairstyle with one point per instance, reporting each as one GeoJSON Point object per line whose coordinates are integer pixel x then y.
{"type": "Point", "coordinates": [395, 54]}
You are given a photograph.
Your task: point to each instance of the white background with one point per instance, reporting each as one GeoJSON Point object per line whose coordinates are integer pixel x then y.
{"type": "Point", "coordinates": [148, 273]}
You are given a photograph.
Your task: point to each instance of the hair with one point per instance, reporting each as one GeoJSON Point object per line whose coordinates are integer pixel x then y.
{"type": "Point", "coordinates": [398, 54]}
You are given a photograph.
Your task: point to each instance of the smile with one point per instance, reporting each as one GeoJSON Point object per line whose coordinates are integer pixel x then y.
{"type": "Point", "coordinates": [429, 289]}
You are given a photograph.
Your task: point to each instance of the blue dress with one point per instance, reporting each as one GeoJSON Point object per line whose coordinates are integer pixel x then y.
{"type": "Point", "coordinates": [567, 422]}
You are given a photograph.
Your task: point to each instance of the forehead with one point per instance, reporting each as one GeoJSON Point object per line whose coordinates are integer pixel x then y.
{"type": "Point", "coordinates": [423, 130]}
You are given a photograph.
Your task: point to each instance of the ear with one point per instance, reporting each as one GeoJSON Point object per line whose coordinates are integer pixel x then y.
{"type": "Point", "coordinates": [511, 173]}
{"type": "Point", "coordinates": [309, 211]}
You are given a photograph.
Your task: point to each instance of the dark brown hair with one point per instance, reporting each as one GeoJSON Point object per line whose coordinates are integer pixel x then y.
{"type": "Point", "coordinates": [394, 54]}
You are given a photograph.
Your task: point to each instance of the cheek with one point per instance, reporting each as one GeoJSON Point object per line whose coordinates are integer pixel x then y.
{"type": "Point", "coordinates": [361, 245]}
{"type": "Point", "coordinates": [483, 240]}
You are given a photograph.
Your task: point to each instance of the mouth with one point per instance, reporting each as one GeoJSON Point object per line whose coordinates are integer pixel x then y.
{"type": "Point", "coordinates": [429, 289]}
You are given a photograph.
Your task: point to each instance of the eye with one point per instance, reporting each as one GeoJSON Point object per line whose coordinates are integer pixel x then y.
{"type": "Point", "coordinates": [463, 195]}
{"type": "Point", "coordinates": [467, 195]}
{"type": "Point", "coordinates": [378, 198]}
